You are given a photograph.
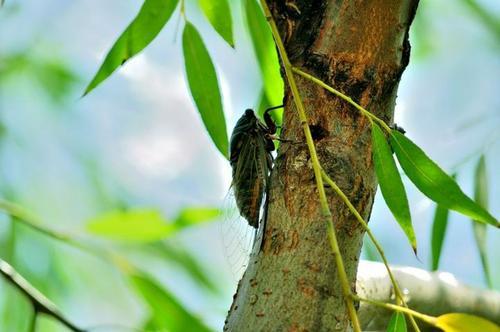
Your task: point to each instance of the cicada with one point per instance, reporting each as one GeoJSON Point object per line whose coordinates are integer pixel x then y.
{"type": "Point", "coordinates": [251, 160]}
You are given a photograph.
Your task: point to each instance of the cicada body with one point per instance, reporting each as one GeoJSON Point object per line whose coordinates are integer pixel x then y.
{"type": "Point", "coordinates": [251, 161]}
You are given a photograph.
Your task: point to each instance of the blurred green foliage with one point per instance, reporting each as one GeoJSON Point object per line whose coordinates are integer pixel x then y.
{"type": "Point", "coordinates": [54, 76]}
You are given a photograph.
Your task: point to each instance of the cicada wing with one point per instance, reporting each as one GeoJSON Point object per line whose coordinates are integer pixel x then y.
{"type": "Point", "coordinates": [250, 176]}
{"type": "Point", "coordinates": [237, 237]}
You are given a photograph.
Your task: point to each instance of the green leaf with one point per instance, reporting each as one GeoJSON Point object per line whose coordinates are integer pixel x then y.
{"type": "Point", "coordinates": [166, 312]}
{"type": "Point", "coordinates": [152, 16]}
{"type": "Point", "coordinates": [265, 51]}
{"type": "Point", "coordinates": [438, 233]}
{"type": "Point", "coordinates": [397, 323]}
{"type": "Point", "coordinates": [138, 225]}
{"type": "Point", "coordinates": [481, 198]}
{"type": "Point", "coordinates": [196, 215]}
{"type": "Point", "coordinates": [219, 15]}
{"type": "Point", "coordinates": [204, 86]}
{"type": "Point", "coordinates": [434, 182]}
{"type": "Point", "coordinates": [458, 322]}
{"type": "Point", "coordinates": [391, 184]}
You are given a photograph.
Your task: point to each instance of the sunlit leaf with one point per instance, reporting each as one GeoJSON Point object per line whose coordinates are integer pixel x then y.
{"type": "Point", "coordinates": [138, 225]}
{"type": "Point", "coordinates": [391, 184]}
{"type": "Point", "coordinates": [219, 15]}
{"type": "Point", "coordinates": [397, 323]}
{"type": "Point", "coordinates": [265, 51]}
{"type": "Point", "coordinates": [481, 198]}
{"type": "Point", "coordinates": [458, 322]}
{"type": "Point", "coordinates": [195, 215]}
{"type": "Point", "coordinates": [439, 226]}
{"type": "Point", "coordinates": [148, 23]}
{"type": "Point", "coordinates": [204, 86]}
{"type": "Point", "coordinates": [166, 312]}
{"type": "Point", "coordinates": [434, 182]}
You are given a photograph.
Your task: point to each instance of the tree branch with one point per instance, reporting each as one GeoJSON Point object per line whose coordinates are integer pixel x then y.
{"type": "Point", "coordinates": [41, 304]}
{"type": "Point", "coordinates": [432, 293]}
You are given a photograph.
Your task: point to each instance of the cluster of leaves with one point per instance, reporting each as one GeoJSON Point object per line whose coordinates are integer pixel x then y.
{"type": "Point", "coordinates": [200, 71]}
{"type": "Point", "coordinates": [425, 174]}
{"type": "Point", "coordinates": [143, 229]}
{"type": "Point", "coordinates": [148, 229]}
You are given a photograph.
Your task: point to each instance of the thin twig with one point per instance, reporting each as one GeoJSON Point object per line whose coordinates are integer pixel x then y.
{"type": "Point", "coordinates": [412, 313]}
{"type": "Point", "coordinates": [380, 251]}
{"type": "Point", "coordinates": [41, 304]}
{"type": "Point", "coordinates": [343, 96]}
{"type": "Point", "coordinates": [325, 209]}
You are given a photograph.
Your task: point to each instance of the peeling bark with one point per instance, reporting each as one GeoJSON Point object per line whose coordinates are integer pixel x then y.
{"type": "Point", "coordinates": [361, 48]}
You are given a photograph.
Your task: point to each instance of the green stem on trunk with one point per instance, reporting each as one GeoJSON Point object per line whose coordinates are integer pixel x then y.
{"type": "Point", "coordinates": [364, 224]}
{"type": "Point", "coordinates": [343, 96]}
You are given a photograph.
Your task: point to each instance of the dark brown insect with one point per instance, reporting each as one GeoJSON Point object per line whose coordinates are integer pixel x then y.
{"type": "Point", "coordinates": [251, 160]}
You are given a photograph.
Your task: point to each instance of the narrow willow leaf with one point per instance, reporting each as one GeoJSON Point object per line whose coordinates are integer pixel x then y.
{"type": "Point", "coordinates": [391, 184]}
{"type": "Point", "coordinates": [458, 322]}
{"type": "Point", "coordinates": [397, 323]}
{"type": "Point", "coordinates": [439, 226]}
{"type": "Point", "coordinates": [434, 182]}
{"type": "Point", "coordinates": [219, 15]}
{"type": "Point", "coordinates": [265, 51]}
{"type": "Point", "coordinates": [138, 225]}
{"type": "Point", "coordinates": [152, 16]}
{"type": "Point", "coordinates": [204, 86]}
{"type": "Point", "coordinates": [481, 198]}
{"type": "Point", "coordinates": [166, 312]}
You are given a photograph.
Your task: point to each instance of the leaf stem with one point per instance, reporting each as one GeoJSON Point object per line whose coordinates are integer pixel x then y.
{"type": "Point", "coordinates": [40, 303]}
{"type": "Point", "coordinates": [364, 224]}
{"type": "Point", "coordinates": [409, 312]}
{"type": "Point", "coordinates": [325, 209]}
{"type": "Point", "coordinates": [342, 96]}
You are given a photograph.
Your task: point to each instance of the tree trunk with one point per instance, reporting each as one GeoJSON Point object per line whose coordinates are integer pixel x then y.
{"type": "Point", "coordinates": [360, 48]}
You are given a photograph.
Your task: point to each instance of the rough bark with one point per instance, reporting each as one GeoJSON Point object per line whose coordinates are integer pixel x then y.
{"type": "Point", "coordinates": [361, 48]}
{"type": "Point", "coordinates": [432, 293]}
